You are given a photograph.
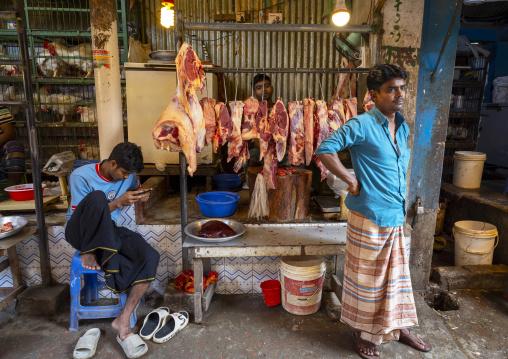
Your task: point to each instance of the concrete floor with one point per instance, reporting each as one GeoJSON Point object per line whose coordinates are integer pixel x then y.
{"type": "Point", "coordinates": [241, 326]}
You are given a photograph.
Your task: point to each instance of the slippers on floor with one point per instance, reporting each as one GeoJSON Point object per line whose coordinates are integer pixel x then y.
{"type": "Point", "coordinates": [133, 346]}
{"type": "Point", "coordinates": [85, 348]}
{"type": "Point", "coordinates": [172, 324]}
{"type": "Point", "coordinates": [363, 355]}
{"type": "Point", "coordinates": [412, 340]}
{"type": "Point", "coordinates": [153, 322]}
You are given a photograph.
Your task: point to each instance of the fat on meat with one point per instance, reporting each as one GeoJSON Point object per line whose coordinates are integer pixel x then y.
{"type": "Point", "coordinates": [297, 134]}
{"type": "Point", "coordinates": [263, 128]}
{"type": "Point", "coordinates": [321, 131]}
{"type": "Point", "coordinates": [250, 127]}
{"type": "Point", "coordinates": [208, 105]}
{"type": "Point", "coordinates": [279, 126]}
{"type": "Point", "coordinates": [224, 126]}
{"type": "Point", "coordinates": [308, 127]}
{"type": "Point", "coordinates": [243, 158]}
{"type": "Point", "coordinates": [270, 166]}
{"type": "Point", "coordinates": [336, 116]}
{"type": "Point", "coordinates": [235, 141]}
{"type": "Point", "coordinates": [368, 104]}
{"type": "Point", "coordinates": [350, 108]}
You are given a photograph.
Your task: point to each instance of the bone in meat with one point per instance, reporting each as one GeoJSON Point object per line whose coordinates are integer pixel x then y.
{"type": "Point", "coordinates": [224, 126]}
{"type": "Point", "coordinates": [243, 158]}
{"type": "Point", "coordinates": [308, 127]}
{"type": "Point", "coordinates": [368, 104]}
{"type": "Point", "coordinates": [279, 126]}
{"type": "Point", "coordinates": [350, 108]}
{"type": "Point", "coordinates": [270, 166]}
{"type": "Point", "coordinates": [208, 105]}
{"type": "Point", "coordinates": [321, 131]}
{"type": "Point", "coordinates": [249, 126]}
{"type": "Point", "coordinates": [336, 116]}
{"type": "Point", "coordinates": [235, 140]}
{"type": "Point", "coordinates": [296, 131]}
{"type": "Point", "coordinates": [263, 128]}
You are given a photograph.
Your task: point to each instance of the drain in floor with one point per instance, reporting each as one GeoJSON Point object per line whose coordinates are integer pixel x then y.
{"type": "Point", "coordinates": [443, 301]}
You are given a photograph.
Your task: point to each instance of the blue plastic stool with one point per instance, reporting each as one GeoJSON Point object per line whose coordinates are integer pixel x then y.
{"type": "Point", "coordinates": [90, 292]}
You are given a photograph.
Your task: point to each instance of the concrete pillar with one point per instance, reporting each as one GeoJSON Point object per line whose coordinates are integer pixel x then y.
{"type": "Point", "coordinates": [107, 74]}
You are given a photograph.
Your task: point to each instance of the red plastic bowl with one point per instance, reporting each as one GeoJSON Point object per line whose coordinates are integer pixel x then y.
{"type": "Point", "coordinates": [22, 192]}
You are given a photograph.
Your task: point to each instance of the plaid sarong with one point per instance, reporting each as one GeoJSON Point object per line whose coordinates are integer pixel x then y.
{"type": "Point", "coordinates": [377, 296]}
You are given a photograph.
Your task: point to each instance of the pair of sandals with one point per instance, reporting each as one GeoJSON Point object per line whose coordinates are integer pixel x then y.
{"type": "Point", "coordinates": [161, 325]}
{"type": "Point", "coordinates": [409, 338]}
{"type": "Point", "coordinates": [133, 345]}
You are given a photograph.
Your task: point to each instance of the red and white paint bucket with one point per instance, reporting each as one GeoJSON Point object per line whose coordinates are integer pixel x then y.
{"type": "Point", "coordinates": [302, 280]}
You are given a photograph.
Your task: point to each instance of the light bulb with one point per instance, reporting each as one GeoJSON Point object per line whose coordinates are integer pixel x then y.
{"type": "Point", "coordinates": [340, 18]}
{"type": "Point", "coordinates": [167, 15]}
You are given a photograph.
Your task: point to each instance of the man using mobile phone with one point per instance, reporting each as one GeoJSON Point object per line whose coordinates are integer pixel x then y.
{"type": "Point", "coordinates": [98, 192]}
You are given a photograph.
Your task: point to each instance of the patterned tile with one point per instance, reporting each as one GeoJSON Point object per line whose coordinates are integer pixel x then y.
{"type": "Point", "coordinates": [60, 251]}
{"type": "Point", "coordinates": [238, 278]}
{"type": "Point", "coordinates": [265, 259]}
{"type": "Point", "coordinates": [61, 274]}
{"type": "Point", "coordinates": [238, 260]}
{"type": "Point", "coordinates": [217, 261]}
{"type": "Point", "coordinates": [156, 237]}
{"type": "Point", "coordinates": [221, 284]}
{"type": "Point", "coordinates": [127, 217]}
{"type": "Point", "coordinates": [28, 252]}
{"type": "Point", "coordinates": [262, 272]}
{"type": "Point", "coordinates": [31, 276]}
{"type": "Point", "coordinates": [174, 244]}
{"type": "Point", "coordinates": [6, 278]}
{"type": "Point", "coordinates": [156, 288]}
{"type": "Point", "coordinates": [174, 270]}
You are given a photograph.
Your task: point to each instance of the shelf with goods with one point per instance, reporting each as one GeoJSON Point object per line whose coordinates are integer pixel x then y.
{"type": "Point", "coordinates": [60, 50]}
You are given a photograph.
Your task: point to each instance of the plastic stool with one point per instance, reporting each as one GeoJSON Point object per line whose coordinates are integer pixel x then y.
{"type": "Point", "coordinates": [90, 292]}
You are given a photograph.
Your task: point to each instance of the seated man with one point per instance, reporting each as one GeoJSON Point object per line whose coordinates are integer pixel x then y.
{"type": "Point", "coordinates": [98, 191]}
{"type": "Point", "coordinates": [12, 153]}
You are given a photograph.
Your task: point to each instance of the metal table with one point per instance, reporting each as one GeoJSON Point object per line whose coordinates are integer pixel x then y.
{"type": "Point", "coordinates": [292, 239]}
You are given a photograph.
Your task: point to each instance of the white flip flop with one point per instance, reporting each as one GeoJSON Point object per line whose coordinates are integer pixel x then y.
{"type": "Point", "coordinates": [133, 346]}
{"type": "Point", "coordinates": [153, 322]}
{"type": "Point", "coordinates": [172, 324]}
{"type": "Point", "coordinates": [87, 344]}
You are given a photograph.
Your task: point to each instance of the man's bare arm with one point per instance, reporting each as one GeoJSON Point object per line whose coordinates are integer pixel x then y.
{"type": "Point", "coordinates": [335, 166]}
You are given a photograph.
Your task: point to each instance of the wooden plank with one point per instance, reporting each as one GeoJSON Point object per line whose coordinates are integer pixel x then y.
{"type": "Point", "coordinates": [336, 286]}
{"type": "Point", "coordinates": [207, 298]}
{"type": "Point", "coordinates": [4, 264]}
{"type": "Point", "coordinates": [5, 302]}
{"type": "Point", "coordinates": [197, 265]}
{"type": "Point", "coordinates": [11, 205]}
{"type": "Point", "coordinates": [15, 271]}
{"type": "Point", "coordinates": [333, 307]}
{"type": "Point", "coordinates": [8, 242]}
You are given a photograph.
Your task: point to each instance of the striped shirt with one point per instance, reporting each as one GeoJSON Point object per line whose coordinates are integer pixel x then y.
{"type": "Point", "coordinates": [5, 116]}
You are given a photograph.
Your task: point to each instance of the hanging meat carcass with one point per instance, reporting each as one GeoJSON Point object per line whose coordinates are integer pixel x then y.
{"type": "Point", "coordinates": [243, 158]}
{"type": "Point", "coordinates": [321, 131]}
{"type": "Point", "coordinates": [279, 126]}
{"type": "Point", "coordinates": [208, 105]}
{"type": "Point", "coordinates": [345, 87]}
{"type": "Point", "coordinates": [270, 166]}
{"type": "Point", "coordinates": [308, 127]}
{"type": "Point", "coordinates": [263, 128]}
{"type": "Point", "coordinates": [336, 116]}
{"type": "Point", "coordinates": [250, 127]}
{"type": "Point", "coordinates": [350, 108]}
{"type": "Point", "coordinates": [297, 135]}
{"type": "Point", "coordinates": [368, 104]}
{"type": "Point", "coordinates": [224, 126]}
{"type": "Point", "coordinates": [235, 141]}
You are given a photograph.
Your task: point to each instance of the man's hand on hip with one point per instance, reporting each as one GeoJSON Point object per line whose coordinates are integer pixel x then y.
{"type": "Point", "coordinates": [354, 188]}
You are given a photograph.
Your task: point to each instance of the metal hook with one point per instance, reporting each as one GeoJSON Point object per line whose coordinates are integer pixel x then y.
{"type": "Point", "coordinates": [320, 86]}
{"type": "Point", "coordinates": [225, 93]}
{"type": "Point", "coordinates": [262, 98]}
{"type": "Point", "coordinates": [236, 91]}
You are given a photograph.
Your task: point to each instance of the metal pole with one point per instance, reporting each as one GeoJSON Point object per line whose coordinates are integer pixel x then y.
{"type": "Point", "coordinates": [34, 145]}
{"type": "Point", "coordinates": [194, 26]}
{"type": "Point", "coordinates": [286, 70]}
{"type": "Point", "coordinates": [375, 40]}
{"type": "Point", "coordinates": [184, 200]}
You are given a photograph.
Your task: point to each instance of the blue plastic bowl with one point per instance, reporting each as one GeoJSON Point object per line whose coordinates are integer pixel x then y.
{"type": "Point", "coordinates": [227, 182]}
{"type": "Point", "coordinates": [218, 204]}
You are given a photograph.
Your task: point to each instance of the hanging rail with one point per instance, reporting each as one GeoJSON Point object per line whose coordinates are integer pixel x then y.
{"type": "Point", "coordinates": [286, 70]}
{"type": "Point", "coordinates": [194, 26]}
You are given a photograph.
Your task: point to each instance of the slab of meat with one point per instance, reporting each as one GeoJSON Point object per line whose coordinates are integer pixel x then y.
{"type": "Point", "coordinates": [350, 108]}
{"type": "Point", "coordinates": [243, 158]}
{"type": "Point", "coordinates": [174, 132]}
{"type": "Point", "coordinates": [345, 86]}
{"type": "Point", "coordinates": [321, 131]}
{"type": "Point", "coordinates": [297, 134]}
{"type": "Point", "coordinates": [215, 229]}
{"type": "Point", "coordinates": [270, 166]}
{"type": "Point", "coordinates": [235, 141]}
{"type": "Point", "coordinates": [264, 135]}
{"type": "Point", "coordinates": [7, 227]}
{"type": "Point", "coordinates": [336, 116]}
{"type": "Point", "coordinates": [208, 105]}
{"type": "Point", "coordinates": [249, 126]}
{"type": "Point", "coordinates": [368, 104]}
{"type": "Point", "coordinates": [224, 126]}
{"type": "Point", "coordinates": [279, 126]}
{"type": "Point", "coordinates": [308, 127]}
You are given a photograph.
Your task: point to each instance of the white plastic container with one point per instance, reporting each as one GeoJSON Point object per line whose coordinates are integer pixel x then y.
{"type": "Point", "coordinates": [468, 169]}
{"type": "Point", "coordinates": [474, 242]}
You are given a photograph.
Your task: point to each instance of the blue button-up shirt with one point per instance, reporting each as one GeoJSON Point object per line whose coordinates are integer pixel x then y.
{"type": "Point", "coordinates": [379, 167]}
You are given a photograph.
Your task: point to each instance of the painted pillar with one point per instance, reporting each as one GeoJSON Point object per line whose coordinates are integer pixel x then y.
{"type": "Point", "coordinates": [106, 60]}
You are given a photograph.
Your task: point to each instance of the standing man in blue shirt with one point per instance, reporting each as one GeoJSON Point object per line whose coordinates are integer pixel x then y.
{"type": "Point", "coordinates": [377, 300]}
{"type": "Point", "coordinates": [98, 192]}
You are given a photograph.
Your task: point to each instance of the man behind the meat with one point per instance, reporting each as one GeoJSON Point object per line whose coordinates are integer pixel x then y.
{"type": "Point", "coordinates": [377, 300]}
{"type": "Point", "coordinates": [98, 192]}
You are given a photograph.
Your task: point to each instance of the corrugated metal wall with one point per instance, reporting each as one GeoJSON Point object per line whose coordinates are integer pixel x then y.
{"type": "Point", "coordinates": [258, 50]}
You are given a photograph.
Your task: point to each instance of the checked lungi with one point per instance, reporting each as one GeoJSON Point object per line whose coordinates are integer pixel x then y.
{"type": "Point", "coordinates": [377, 296]}
{"type": "Point", "coordinates": [125, 257]}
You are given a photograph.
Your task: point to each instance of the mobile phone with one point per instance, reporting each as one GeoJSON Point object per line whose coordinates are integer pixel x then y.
{"type": "Point", "coordinates": [140, 193]}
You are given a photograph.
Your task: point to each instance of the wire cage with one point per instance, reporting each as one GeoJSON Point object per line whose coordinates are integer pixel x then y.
{"type": "Point", "coordinates": [60, 50]}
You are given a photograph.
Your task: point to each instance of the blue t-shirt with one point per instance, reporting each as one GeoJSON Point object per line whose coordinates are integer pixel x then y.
{"type": "Point", "coordinates": [88, 178]}
{"type": "Point", "coordinates": [378, 165]}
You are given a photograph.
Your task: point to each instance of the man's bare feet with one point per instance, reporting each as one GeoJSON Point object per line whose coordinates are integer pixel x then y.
{"type": "Point", "coordinates": [89, 261]}
{"type": "Point", "coordinates": [365, 347]}
{"type": "Point", "coordinates": [122, 327]}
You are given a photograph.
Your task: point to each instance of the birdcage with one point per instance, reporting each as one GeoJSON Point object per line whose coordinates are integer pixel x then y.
{"type": "Point", "coordinates": [60, 50]}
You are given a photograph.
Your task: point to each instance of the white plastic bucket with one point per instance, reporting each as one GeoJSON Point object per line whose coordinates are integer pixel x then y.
{"type": "Point", "coordinates": [468, 169]}
{"type": "Point", "coordinates": [474, 242]}
{"type": "Point", "coordinates": [301, 280]}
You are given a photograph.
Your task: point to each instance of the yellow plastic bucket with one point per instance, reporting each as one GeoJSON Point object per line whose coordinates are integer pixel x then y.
{"type": "Point", "coordinates": [302, 280]}
{"type": "Point", "coordinates": [468, 169]}
{"type": "Point", "coordinates": [474, 242]}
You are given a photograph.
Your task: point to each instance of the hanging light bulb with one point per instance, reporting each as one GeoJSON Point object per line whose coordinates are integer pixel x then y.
{"type": "Point", "coordinates": [167, 13]}
{"type": "Point", "coordinates": [340, 15]}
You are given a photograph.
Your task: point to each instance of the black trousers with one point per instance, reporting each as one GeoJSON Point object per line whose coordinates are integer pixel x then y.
{"type": "Point", "coordinates": [123, 255]}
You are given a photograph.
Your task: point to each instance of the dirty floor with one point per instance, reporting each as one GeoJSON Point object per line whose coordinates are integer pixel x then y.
{"type": "Point", "coordinates": [241, 326]}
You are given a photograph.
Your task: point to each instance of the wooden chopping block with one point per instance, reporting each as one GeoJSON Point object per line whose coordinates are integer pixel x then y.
{"type": "Point", "coordinates": [291, 199]}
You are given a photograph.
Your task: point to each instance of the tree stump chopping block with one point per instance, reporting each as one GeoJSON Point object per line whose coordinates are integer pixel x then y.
{"type": "Point", "coordinates": [291, 199]}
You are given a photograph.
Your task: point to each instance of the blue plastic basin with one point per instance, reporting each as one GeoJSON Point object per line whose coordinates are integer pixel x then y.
{"type": "Point", "coordinates": [218, 204]}
{"type": "Point", "coordinates": [227, 182]}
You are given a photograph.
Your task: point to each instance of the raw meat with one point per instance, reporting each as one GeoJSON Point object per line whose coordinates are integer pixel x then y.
{"type": "Point", "coordinates": [270, 166]}
{"type": "Point", "coordinates": [368, 104]}
{"type": "Point", "coordinates": [279, 126]}
{"type": "Point", "coordinates": [235, 140]}
{"type": "Point", "coordinates": [242, 159]}
{"type": "Point", "coordinates": [297, 135]}
{"type": "Point", "coordinates": [249, 126]}
{"type": "Point", "coordinates": [215, 229]}
{"type": "Point", "coordinates": [224, 126]}
{"type": "Point", "coordinates": [308, 127]}
{"type": "Point", "coordinates": [345, 86]}
{"type": "Point", "coordinates": [350, 108]}
{"type": "Point", "coordinates": [336, 116]}
{"type": "Point", "coordinates": [321, 131]}
{"type": "Point", "coordinates": [208, 105]}
{"type": "Point", "coordinates": [7, 227]}
{"type": "Point", "coordinates": [263, 129]}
